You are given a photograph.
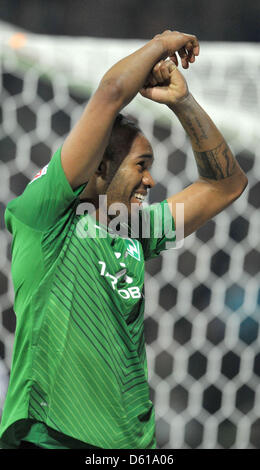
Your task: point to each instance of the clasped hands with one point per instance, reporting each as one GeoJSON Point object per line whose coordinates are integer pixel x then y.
{"type": "Point", "coordinates": [165, 83]}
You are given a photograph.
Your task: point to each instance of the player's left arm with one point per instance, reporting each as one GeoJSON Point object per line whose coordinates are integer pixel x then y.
{"type": "Point", "coordinates": [221, 180]}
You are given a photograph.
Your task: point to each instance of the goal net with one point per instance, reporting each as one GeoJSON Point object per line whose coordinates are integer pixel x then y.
{"type": "Point", "coordinates": [202, 300]}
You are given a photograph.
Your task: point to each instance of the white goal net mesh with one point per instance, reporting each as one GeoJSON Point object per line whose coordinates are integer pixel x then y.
{"type": "Point", "coordinates": [202, 301]}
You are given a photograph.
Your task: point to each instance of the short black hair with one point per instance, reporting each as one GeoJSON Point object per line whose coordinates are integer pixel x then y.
{"type": "Point", "coordinates": [124, 131]}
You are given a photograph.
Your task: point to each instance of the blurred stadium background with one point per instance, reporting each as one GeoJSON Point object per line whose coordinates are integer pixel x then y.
{"type": "Point", "coordinates": [202, 301]}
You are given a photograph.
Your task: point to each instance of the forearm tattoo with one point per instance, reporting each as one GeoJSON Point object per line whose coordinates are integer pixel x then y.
{"type": "Point", "coordinates": [195, 130]}
{"type": "Point", "coordinates": [217, 163]}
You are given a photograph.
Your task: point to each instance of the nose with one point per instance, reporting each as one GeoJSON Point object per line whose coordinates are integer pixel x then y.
{"type": "Point", "coordinates": [148, 179]}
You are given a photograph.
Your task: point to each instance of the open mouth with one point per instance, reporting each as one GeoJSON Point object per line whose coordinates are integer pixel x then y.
{"type": "Point", "coordinates": [139, 198]}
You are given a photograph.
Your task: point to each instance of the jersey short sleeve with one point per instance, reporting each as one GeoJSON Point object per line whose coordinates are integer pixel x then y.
{"type": "Point", "coordinates": [157, 229]}
{"type": "Point", "coordinates": [45, 199]}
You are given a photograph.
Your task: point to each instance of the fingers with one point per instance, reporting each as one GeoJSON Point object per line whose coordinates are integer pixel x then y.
{"type": "Point", "coordinates": [174, 58]}
{"type": "Point", "coordinates": [187, 55]}
{"type": "Point", "coordinates": [165, 70]}
{"type": "Point", "coordinates": [187, 46]}
{"type": "Point", "coordinates": [157, 72]}
{"type": "Point", "coordinates": [187, 41]}
{"type": "Point", "coordinates": [160, 73]}
{"type": "Point", "coordinates": [184, 58]}
{"type": "Point", "coordinates": [191, 51]}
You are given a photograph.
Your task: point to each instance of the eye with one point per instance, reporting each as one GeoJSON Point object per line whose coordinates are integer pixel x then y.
{"type": "Point", "coordinates": [141, 164]}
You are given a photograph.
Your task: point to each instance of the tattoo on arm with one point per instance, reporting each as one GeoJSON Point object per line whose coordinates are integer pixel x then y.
{"type": "Point", "coordinates": [195, 130]}
{"type": "Point", "coordinates": [217, 163]}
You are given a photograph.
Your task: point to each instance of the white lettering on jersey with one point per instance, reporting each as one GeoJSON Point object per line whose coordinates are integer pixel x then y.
{"type": "Point", "coordinates": [133, 291]}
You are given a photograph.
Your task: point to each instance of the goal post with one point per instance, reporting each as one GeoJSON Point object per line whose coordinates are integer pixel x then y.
{"type": "Point", "coordinates": [203, 300]}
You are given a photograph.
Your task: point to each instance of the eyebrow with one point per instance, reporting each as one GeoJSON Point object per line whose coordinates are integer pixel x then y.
{"type": "Point", "coordinates": [146, 155]}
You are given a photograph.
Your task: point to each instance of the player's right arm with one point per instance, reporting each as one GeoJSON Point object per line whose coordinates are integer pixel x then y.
{"type": "Point", "coordinates": [84, 147]}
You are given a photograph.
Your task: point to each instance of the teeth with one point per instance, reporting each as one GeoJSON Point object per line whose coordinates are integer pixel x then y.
{"type": "Point", "coordinates": [139, 196]}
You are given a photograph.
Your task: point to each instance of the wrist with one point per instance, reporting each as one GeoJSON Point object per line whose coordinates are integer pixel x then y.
{"type": "Point", "coordinates": [161, 45]}
{"type": "Point", "coordinates": [182, 103]}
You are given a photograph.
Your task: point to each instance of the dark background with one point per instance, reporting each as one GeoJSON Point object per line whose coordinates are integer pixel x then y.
{"type": "Point", "coordinates": [210, 20]}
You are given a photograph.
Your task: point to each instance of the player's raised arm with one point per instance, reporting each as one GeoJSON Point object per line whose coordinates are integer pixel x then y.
{"type": "Point", "coordinates": [221, 180]}
{"type": "Point", "coordinates": [84, 147]}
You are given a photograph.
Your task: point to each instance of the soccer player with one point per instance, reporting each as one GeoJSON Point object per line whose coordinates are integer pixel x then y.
{"type": "Point", "coordinates": [79, 371]}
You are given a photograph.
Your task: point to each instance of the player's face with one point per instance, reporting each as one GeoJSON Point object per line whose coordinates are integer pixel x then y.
{"type": "Point", "coordinates": [132, 179]}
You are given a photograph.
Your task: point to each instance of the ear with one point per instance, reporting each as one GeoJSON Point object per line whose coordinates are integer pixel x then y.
{"type": "Point", "coordinates": [102, 169]}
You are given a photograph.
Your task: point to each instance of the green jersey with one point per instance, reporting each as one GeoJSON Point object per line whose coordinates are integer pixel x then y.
{"type": "Point", "coordinates": [79, 362]}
